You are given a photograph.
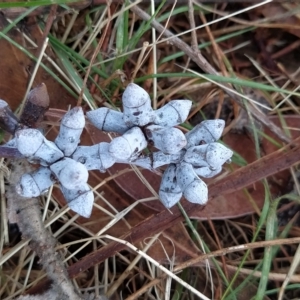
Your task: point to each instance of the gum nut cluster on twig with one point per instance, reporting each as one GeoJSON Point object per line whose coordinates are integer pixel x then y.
{"type": "Point", "coordinates": [191, 155]}
{"type": "Point", "coordinates": [56, 163]}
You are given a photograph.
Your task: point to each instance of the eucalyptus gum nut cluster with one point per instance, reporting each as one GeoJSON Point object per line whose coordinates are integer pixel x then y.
{"type": "Point", "coordinates": [80, 200]}
{"type": "Point", "coordinates": [107, 120]}
{"type": "Point", "coordinates": [193, 188]}
{"type": "Point", "coordinates": [127, 146]}
{"type": "Point", "coordinates": [33, 145]}
{"type": "Point", "coordinates": [169, 192]}
{"type": "Point", "coordinates": [208, 131]}
{"type": "Point", "coordinates": [137, 110]}
{"type": "Point", "coordinates": [35, 184]}
{"type": "Point", "coordinates": [173, 113]}
{"type": "Point", "coordinates": [167, 139]}
{"type": "Point", "coordinates": [71, 127]}
{"type": "Point", "coordinates": [70, 173]}
{"type": "Point", "coordinates": [95, 157]}
{"type": "Point", "coordinates": [211, 155]}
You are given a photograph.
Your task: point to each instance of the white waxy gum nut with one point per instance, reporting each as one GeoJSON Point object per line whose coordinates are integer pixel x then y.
{"type": "Point", "coordinates": [173, 113]}
{"type": "Point", "coordinates": [27, 187]}
{"type": "Point", "coordinates": [169, 192]}
{"type": "Point", "coordinates": [217, 154]}
{"type": "Point", "coordinates": [211, 155]}
{"type": "Point", "coordinates": [32, 144]}
{"type": "Point", "coordinates": [88, 156]}
{"type": "Point", "coordinates": [167, 139]}
{"type": "Point", "coordinates": [137, 110]}
{"type": "Point", "coordinates": [194, 189]}
{"type": "Point", "coordinates": [197, 156]}
{"type": "Point", "coordinates": [107, 120]}
{"type": "Point", "coordinates": [70, 173]}
{"type": "Point", "coordinates": [106, 159]}
{"type": "Point", "coordinates": [207, 172]}
{"type": "Point", "coordinates": [95, 157]}
{"type": "Point", "coordinates": [35, 184]}
{"type": "Point", "coordinates": [71, 127]}
{"type": "Point", "coordinates": [128, 145]}
{"type": "Point", "coordinates": [207, 131]}
{"type": "Point", "coordinates": [80, 200]}
{"type": "Point", "coordinates": [29, 141]}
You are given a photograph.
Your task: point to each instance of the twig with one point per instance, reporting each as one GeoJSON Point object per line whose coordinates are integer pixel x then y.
{"type": "Point", "coordinates": [9, 152]}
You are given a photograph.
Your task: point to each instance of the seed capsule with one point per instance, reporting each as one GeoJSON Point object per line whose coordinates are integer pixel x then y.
{"type": "Point", "coordinates": [137, 110]}
{"type": "Point", "coordinates": [173, 113]}
{"type": "Point", "coordinates": [8, 121]}
{"type": "Point", "coordinates": [107, 120]}
{"type": "Point", "coordinates": [71, 127]}
{"type": "Point", "coordinates": [127, 146]}
{"type": "Point", "coordinates": [169, 192]}
{"type": "Point", "coordinates": [80, 200]}
{"type": "Point", "coordinates": [32, 144]}
{"type": "Point", "coordinates": [70, 173]}
{"type": "Point", "coordinates": [167, 139]}
{"type": "Point", "coordinates": [35, 184]}
{"type": "Point", "coordinates": [211, 155]}
{"type": "Point", "coordinates": [36, 105]}
{"type": "Point", "coordinates": [95, 157]}
{"type": "Point", "coordinates": [194, 189]}
{"type": "Point", "coordinates": [207, 172]}
{"type": "Point", "coordinates": [207, 131]}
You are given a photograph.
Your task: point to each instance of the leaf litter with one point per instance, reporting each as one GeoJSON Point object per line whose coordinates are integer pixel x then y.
{"type": "Point", "coordinates": [274, 55]}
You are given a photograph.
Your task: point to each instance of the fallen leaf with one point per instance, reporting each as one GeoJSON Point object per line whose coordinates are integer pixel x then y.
{"type": "Point", "coordinates": [15, 65]}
